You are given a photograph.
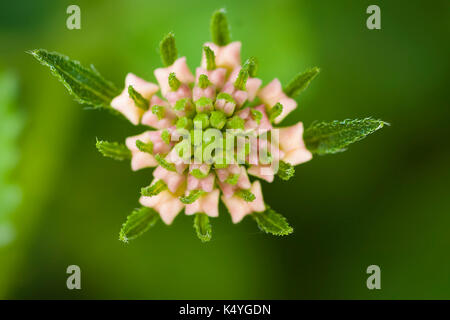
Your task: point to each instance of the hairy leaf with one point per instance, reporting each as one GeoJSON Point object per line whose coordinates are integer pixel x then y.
{"type": "Point", "coordinates": [300, 82]}
{"type": "Point", "coordinates": [168, 49]}
{"type": "Point", "coordinates": [202, 227]}
{"type": "Point", "coordinates": [256, 115]}
{"type": "Point", "coordinates": [332, 137]}
{"type": "Point", "coordinates": [138, 99]}
{"type": "Point", "coordinates": [203, 81]}
{"type": "Point", "coordinates": [210, 58]}
{"type": "Point", "coordinates": [138, 222]}
{"type": "Point", "coordinates": [275, 111]}
{"type": "Point", "coordinates": [220, 31]}
{"type": "Point", "coordinates": [154, 189]}
{"type": "Point", "coordinates": [246, 195]}
{"type": "Point", "coordinates": [165, 136]}
{"type": "Point", "coordinates": [113, 150]}
{"type": "Point", "coordinates": [271, 222]}
{"type": "Point", "coordinates": [164, 163]}
{"type": "Point", "coordinates": [232, 179]}
{"type": "Point", "coordinates": [85, 84]}
{"type": "Point", "coordinates": [241, 80]}
{"type": "Point", "coordinates": [192, 197]}
{"type": "Point", "coordinates": [145, 147]}
{"type": "Point", "coordinates": [285, 170]}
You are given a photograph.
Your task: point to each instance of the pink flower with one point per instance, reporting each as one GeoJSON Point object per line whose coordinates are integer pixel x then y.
{"type": "Point", "coordinates": [239, 208]}
{"type": "Point", "coordinates": [181, 70]}
{"type": "Point", "coordinates": [291, 143]}
{"type": "Point", "coordinates": [273, 93]}
{"type": "Point", "coordinates": [228, 56]}
{"type": "Point", "coordinates": [208, 203]}
{"type": "Point", "coordinates": [124, 104]}
{"type": "Point", "coordinates": [165, 203]}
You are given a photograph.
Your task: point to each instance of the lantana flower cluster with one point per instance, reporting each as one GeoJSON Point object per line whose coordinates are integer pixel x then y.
{"type": "Point", "coordinates": [208, 132]}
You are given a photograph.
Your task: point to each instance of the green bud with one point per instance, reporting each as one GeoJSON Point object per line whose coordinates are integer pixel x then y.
{"type": "Point", "coordinates": [218, 119]}
{"type": "Point", "coordinates": [225, 96]}
{"type": "Point", "coordinates": [204, 105]}
{"type": "Point", "coordinates": [203, 81]}
{"type": "Point", "coordinates": [235, 122]}
{"type": "Point", "coordinates": [184, 123]}
{"type": "Point", "coordinates": [174, 83]}
{"type": "Point", "coordinates": [165, 136]}
{"type": "Point", "coordinates": [158, 111]}
{"type": "Point", "coordinates": [203, 119]}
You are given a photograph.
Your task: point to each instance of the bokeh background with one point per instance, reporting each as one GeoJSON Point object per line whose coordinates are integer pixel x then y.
{"type": "Point", "coordinates": [386, 201]}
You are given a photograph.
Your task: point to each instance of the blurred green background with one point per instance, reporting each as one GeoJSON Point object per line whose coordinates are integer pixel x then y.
{"type": "Point", "coordinates": [386, 201]}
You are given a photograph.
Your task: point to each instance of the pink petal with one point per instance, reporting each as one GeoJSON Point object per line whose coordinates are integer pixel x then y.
{"type": "Point", "coordinates": [173, 179]}
{"type": "Point", "coordinates": [152, 120]}
{"type": "Point", "coordinates": [183, 92]}
{"type": "Point", "coordinates": [124, 104]}
{"type": "Point", "coordinates": [237, 207]}
{"type": "Point", "coordinates": [146, 89]}
{"type": "Point", "coordinates": [208, 92]}
{"type": "Point", "coordinates": [273, 93]}
{"type": "Point", "coordinates": [181, 71]}
{"type": "Point", "coordinates": [216, 76]}
{"type": "Point", "coordinates": [228, 56]}
{"type": "Point", "coordinates": [262, 171]}
{"type": "Point", "coordinates": [207, 203]}
{"type": "Point", "coordinates": [167, 205]}
{"type": "Point", "coordinates": [257, 204]}
{"type": "Point", "coordinates": [297, 156]}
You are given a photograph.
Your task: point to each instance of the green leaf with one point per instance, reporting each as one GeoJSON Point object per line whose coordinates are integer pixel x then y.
{"type": "Point", "coordinates": [85, 84]}
{"type": "Point", "coordinates": [271, 222]}
{"type": "Point", "coordinates": [158, 111]}
{"type": "Point", "coordinates": [332, 137]}
{"type": "Point", "coordinates": [138, 99]}
{"type": "Point", "coordinates": [220, 31]}
{"type": "Point", "coordinates": [275, 111]}
{"type": "Point", "coordinates": [300, 82]}
{"type": "Point", "coordinates": [154, 189]}
{"type": "Point", "coordinates": [164, 163]}
{"type": "Point", "coordinates": [199, 174]}
{"type": "Point", "coordinates": [210, 58]}
{"type": "Point", "coordinates": [192, 197]}
{"type": "Point", "coordinates": [202, 227]}
{"type": "Point", "coordinates": [203, 81]}
{"type": "Point", "coordinates": [232, 179]}
{"type": "Point", "coordinates": [174, 83]}
{"type": "Point", "coordinates": [285, 170]}
{"type": "Point", "coordinates": [168, 49]}
{"type": "Point", "coordinates": [235, 122]}
{"type": "Point", "coordinates": [242, 77]}
{"type": "Point", "coordinates": [256, 115]}
{"type": "Point", "coordinates": [165, 136]}
{"type": "Point", "coordinates": [138, 222]}
{"type": "Point", "coordinates": [113, 150]}
{"type": "Point", "coordinates": [253, 67]}
{"type": "Point", "coordinates": [145, 147]}
{"type": "Point", "coordinates": [246, 195]}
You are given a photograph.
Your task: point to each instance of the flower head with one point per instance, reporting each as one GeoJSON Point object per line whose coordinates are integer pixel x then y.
{"type": "Point", "coordinates": [206, 134]}
{"type": "Point", "coordinates": [210, 132]}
